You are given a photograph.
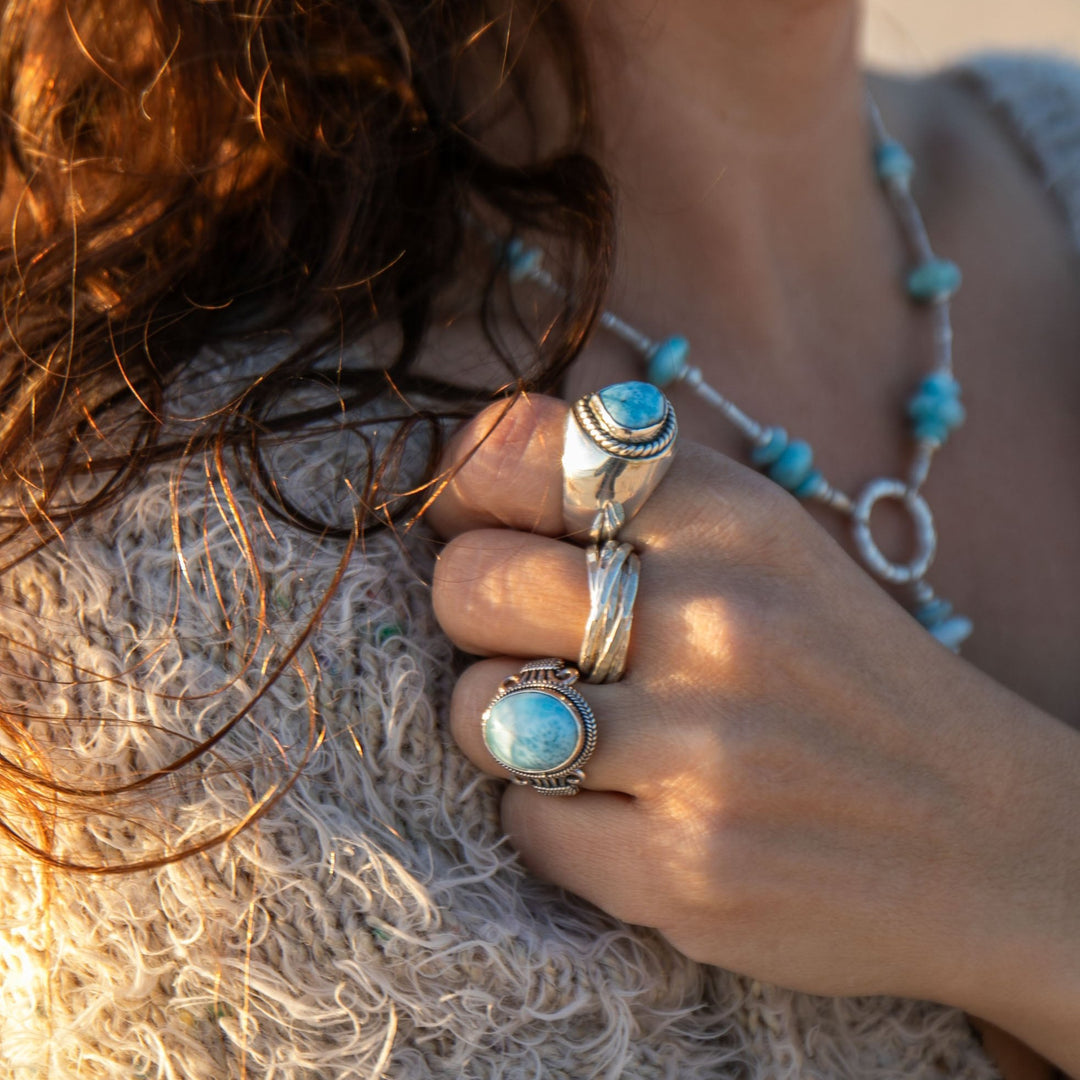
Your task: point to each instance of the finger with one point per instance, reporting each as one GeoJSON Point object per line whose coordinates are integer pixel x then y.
{"type": "Point", "coordinates": [593, 844]}
{"type": "Point", "coordinates": [497, 592]}
{"type": "Point", "coordinates": [506, 469]}
{"type": "Point", "coordinates": [623, 733]}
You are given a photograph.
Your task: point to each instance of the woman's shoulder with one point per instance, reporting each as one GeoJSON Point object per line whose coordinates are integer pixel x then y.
{"type": "Point", "coordinates": [1035, 98]}
{"type": "Point", "coordinates": [1005, 124]}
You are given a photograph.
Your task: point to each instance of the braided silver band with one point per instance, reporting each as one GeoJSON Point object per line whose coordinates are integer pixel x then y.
{"type": "Point", "coordinates": [613, 569]}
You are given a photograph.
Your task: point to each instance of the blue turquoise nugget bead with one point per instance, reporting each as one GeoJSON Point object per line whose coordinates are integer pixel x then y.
{"type": "Point", "coordinates": [951, 413]}
{"type": "Point", "coordinates": [940, 384]}
{"type": "Point", "coordinates": [892, 161]}
{"type": "Point", "coordinates": [952, 633]}
{"type": "Point", "coordinates": [923, 407]}
{"type": "Point", "coordinates": [668, 361]}
{"type": "Point", "coordinates": [934, 281]}
{"type": "Point", "coordinates": [934, 612]}
{"type": "Point", "coordinates": [813, 485]}
{"type": "Point", "coordinates": [935, 407]}
{"type": "Point", "coordinates": [932, 428]}
{"type": "Point", "coordinates": [948, 411]}
{"type": "Point", "coordinates": [533, 730]}
{"type": "Point", "coordinates": [793, 466]}
{"type": "Point", "coordinates": [768, 452]}
{"type": "Point", "coordinates": [521, 260]}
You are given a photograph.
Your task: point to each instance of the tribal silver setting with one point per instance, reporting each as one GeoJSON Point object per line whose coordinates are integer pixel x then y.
{"type": "Point", "coordinates": [618, 445]}
{"type": "Point", "coordinates": [540, 729]}
{"type": "Point", "coordinates": [613, 581]}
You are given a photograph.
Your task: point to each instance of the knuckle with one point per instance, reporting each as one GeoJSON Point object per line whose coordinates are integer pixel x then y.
{"type": "Point", "coordinates": [680, 613]}
{"type": "Point", "coordinates": [715, 518]}
{"type": "Point", "coordinates": [723, 506]}
{"type": "Point", "coordinates": [687, 876]}
{"type": "Point", "coordinates": [509, 442]}
{"type": "Point", "coordinates": [705, 859]}
{"type": "Point", "coordinates": [460, 598]}
{"type": "Point", "coordinates": [498, 453]}
{"type": "Point", "coordinates": [771, 518]}
{"type": "Point", "coordinates": [460, 560]}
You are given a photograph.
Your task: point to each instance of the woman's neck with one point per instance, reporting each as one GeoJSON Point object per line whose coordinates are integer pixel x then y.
{"type": "Point", "coordinates": [750, 220]}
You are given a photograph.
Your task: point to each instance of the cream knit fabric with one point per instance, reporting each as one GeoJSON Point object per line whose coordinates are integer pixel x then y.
{"type": "Point", "coordinates": [373, 923]}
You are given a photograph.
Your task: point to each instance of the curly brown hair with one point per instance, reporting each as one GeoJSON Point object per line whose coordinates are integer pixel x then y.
{"type": "Point", "coordinates": [184, 172]}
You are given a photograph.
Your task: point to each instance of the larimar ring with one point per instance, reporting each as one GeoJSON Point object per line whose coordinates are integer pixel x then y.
{"type": "Point", "coordinates": [619, 443]}
{"type": "Point", "coordinates": [613, 580]}
{"type": "Point", "coordinates": [540, 729]}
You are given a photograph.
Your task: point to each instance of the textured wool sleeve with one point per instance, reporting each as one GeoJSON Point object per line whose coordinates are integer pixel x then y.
{"type": "Point", "coordinates": [1038, 100]}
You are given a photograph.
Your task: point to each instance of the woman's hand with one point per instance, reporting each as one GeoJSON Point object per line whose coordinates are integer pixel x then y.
{"type": "Point", "coordinates": [793, 780]}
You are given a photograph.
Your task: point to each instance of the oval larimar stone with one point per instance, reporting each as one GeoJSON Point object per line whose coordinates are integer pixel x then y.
{"type": "Point", "coordinates": [634, 406]}
{"type": "Point", "coordinates": [533, 731]}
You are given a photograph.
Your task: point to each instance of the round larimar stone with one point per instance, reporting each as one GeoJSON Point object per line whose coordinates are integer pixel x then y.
{"type": "Point", "coordinates": [533, 731]}
{"type": "Point", "coordinates": [634, 406]}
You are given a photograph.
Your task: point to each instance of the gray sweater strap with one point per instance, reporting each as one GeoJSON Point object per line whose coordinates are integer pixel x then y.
{"type": "Point", "coordinates": [1038, 99]}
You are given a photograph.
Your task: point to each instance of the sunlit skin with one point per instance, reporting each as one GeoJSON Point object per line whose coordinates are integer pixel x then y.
{"type": "Point", "coordinates": [794, 780]}
{"type": "Point", "coordinates": [812, 793]}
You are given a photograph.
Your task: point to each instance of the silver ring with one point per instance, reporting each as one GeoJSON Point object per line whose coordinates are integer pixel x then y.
{"type": "Point", "coordinates": [540, 729]}
{"type": "Point", "coordinates": [613, 581]}
{"type": "Point", "coordinates": [619, 443]}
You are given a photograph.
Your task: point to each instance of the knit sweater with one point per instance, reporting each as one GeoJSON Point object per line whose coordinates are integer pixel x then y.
{"type": "Point", "coordinates": [373, 922]}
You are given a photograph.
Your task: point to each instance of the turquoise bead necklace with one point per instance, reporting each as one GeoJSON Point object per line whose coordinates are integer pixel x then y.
{"type": "Point", "coordinates": [934, 410]}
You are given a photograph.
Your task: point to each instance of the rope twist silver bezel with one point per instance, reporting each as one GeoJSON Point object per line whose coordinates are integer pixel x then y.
{"type": "Point", "coordinates": [655, 446]}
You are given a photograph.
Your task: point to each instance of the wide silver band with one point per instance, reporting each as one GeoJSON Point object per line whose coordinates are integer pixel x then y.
{"type": "Point", "coordinates": [613, 581]}
{"type": "Point", "coordinates": [610, 469]}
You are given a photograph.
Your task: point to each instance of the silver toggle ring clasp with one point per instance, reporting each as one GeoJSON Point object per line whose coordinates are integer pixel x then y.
{"type": "Point", "coordinates": [923, 520]}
